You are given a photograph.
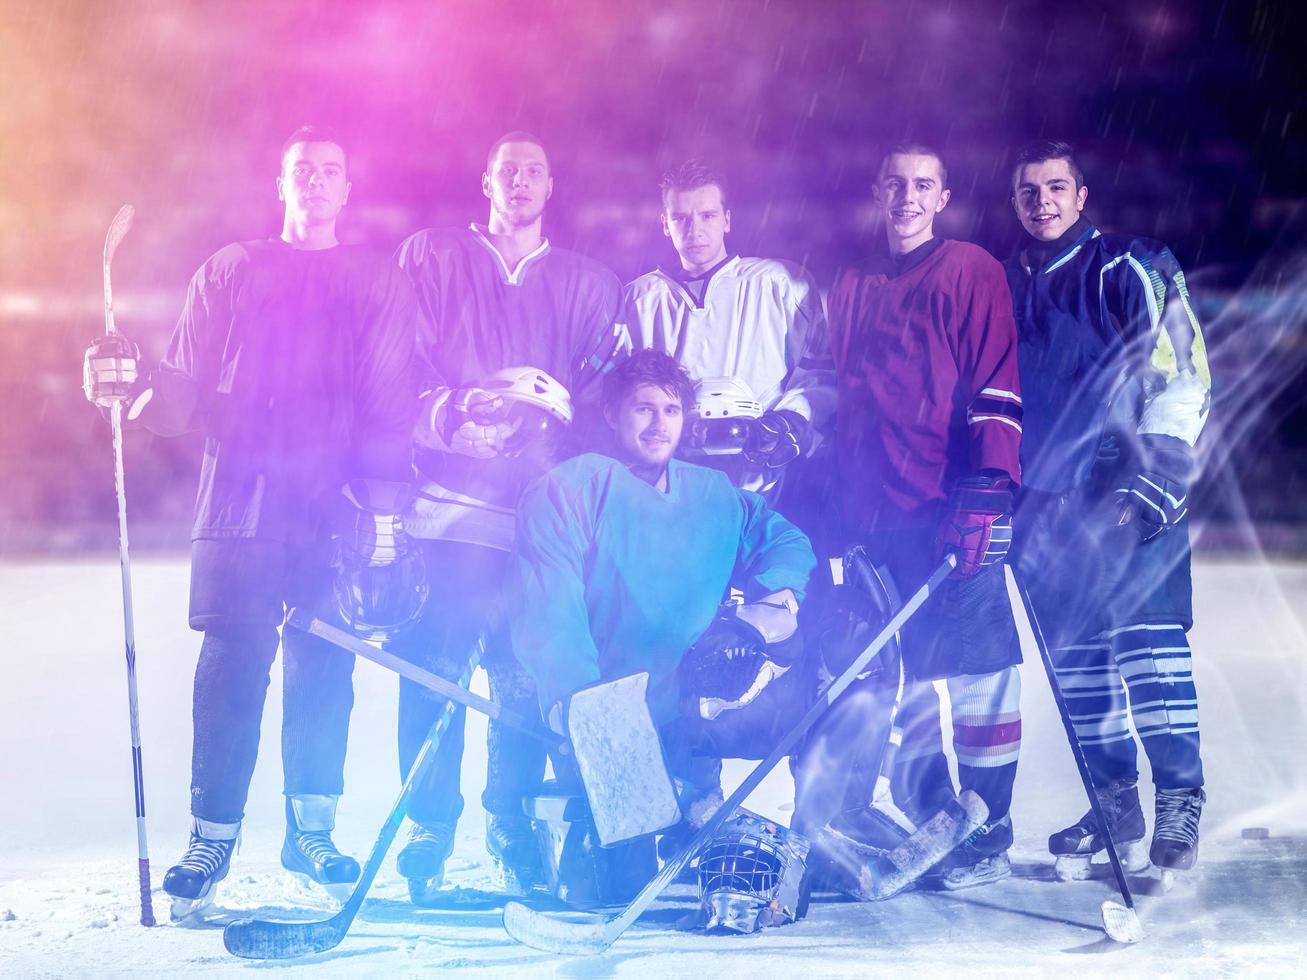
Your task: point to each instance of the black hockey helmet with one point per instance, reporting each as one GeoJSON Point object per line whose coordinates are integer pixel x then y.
{"type": "Point", "coordinates": [379, 602]}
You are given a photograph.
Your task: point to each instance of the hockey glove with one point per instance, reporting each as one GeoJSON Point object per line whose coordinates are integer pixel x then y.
{"type": "Point", "coordinates": [111, 375]}
{"type": "Point", "coordinates": [1158, 497]}
{"type": "Point", "coordinates": [977, 523]}
{"type": "Point", "coordinates": [777, 438]}
{"type": "Point", "coordinates": [371, 528]}
{"type": "Point", "coordinates": [733, 661]}
{"type": "Point", "coordinates": [466, 421]}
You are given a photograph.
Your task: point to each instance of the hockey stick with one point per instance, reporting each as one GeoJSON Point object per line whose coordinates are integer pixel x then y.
{"type": "Point", "coordinates": [424, 678]}
{"type": "Point", "coordinates": [118, 228]}
{"type": "Point", "coordinates": [588, 933]}
{"type": "Point", "coordinates": [1120, 922]}
{"type": "Point", "coordinates": [261, 939]}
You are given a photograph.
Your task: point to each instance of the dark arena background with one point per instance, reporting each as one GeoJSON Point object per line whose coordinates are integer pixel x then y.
{"type": "Point", "coordinates": [1191, 123]}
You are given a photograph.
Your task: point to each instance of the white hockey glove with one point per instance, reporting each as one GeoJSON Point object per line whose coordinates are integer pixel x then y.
{"type": "Point", "coordinates": [111, 375]}
{"type": "Point", "coordinates": [464, 421]}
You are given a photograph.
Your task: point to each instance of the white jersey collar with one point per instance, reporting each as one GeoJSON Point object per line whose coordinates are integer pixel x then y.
{"type": "Point", "coordinates": [511, 276]}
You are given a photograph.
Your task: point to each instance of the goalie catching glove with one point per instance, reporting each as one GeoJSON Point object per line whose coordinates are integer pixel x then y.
{"type": "Point", "coordinates": [744, 649]}
{"type": "Point", "coordinates": [1158, 497]}
{"type": "Point", "coordinates": [977, 523]}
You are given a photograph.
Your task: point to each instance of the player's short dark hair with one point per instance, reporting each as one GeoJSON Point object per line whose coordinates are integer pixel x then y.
{"type": "Point", "coordinates": [920, 149]}
{"type": "Point", "coordinates": [1042, 150]}
{"type": "Point", "coordinates": [516, 136]}
{"type": "Point", "coordinates": [646, 367]}
{"type": "Point", "coordinates": [313, 134]}
{"type": "Point", "coordinates": [690, 176]}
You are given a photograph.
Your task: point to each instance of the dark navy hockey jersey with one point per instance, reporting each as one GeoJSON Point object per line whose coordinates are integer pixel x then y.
{"type": "Point", "coordinates": [1107, 338]}
{"type": "Point", "coordinates": [556, 311]}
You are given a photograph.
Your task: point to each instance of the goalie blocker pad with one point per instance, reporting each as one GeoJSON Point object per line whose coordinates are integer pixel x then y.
{"type": "Point", "coordinates": [621, 761]}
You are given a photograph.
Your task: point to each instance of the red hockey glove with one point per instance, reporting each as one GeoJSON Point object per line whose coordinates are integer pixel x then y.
{"type": "Point", "coordinates": [977, 523]}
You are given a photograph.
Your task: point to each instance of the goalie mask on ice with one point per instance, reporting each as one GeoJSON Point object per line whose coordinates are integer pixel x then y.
{"type": "Point", "coordinates": [753, 875]}
{"type": "Point", "coordinates": [721, 418]}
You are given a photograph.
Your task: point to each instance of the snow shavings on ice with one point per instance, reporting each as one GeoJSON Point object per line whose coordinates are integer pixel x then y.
{"type": "Point", "coordinates": [67, 844]}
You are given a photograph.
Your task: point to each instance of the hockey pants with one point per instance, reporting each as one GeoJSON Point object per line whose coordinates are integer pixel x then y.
{"type": "Point", "coordinates": [1153, 663]}
{"type": "Point", "coordinates": [231, 684]}
{"type": "Point", "coordinates": [466, 612]}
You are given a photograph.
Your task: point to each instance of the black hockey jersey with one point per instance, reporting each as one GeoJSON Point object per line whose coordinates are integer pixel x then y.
{"type": "Point", "coordinates": [1105, 331]}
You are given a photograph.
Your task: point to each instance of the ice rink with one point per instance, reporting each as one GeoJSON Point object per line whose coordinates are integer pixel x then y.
{"type": "Point", "coordinates": [67, 841]}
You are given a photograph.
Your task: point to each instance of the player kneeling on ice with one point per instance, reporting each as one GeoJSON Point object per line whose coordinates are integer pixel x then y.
{"type": "Point", "coordinates": [620, 566]}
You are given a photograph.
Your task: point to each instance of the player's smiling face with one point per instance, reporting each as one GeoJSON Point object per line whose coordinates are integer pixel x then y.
{"type": "Point", "coordinates": [910, 192]}
{"type": "Point", "coordinates": [518, 184]}
{"type": "Point", "coordinates": [313, 182]}
{"type": "Point", "coordinates": [697, 222]}
{"type": "Point", "coordinates": [1046, 198]}
{"type": "Point", "coordinates": [647, 426]}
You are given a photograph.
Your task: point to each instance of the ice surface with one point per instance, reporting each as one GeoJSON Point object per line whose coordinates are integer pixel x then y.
{"type": "Point", "coordinates": [67, 834]}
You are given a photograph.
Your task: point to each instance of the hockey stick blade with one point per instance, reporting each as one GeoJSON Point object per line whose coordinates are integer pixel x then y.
{"type": "Point", "coordinates": [118, 229]}
{"type": "Point", "coordinates": [1120, 923]}
{"type": "Point", "coordinates": [582, 933]}
{"type": "Point", "coordinates": [591, 933]}
{"type": "Point", "coordinates": [259, 939]}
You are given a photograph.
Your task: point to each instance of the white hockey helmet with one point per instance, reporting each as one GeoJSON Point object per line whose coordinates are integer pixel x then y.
{"type": "Point", "coordinates": [531, 386]}
{"type": "Point", "coordinates": [721, 417]}
{"type": "Point", "coordinates": [753, 875]}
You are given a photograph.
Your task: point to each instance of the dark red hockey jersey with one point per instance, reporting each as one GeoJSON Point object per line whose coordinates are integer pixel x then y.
{"type": "Point", "coordinates": [928, 388]}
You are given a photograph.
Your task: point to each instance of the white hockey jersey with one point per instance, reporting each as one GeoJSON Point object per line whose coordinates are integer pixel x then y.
{"type": "Point", "coordinates": [760, 320]}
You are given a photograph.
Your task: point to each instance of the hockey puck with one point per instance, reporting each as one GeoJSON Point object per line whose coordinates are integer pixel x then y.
{"type": "Point", "coordinates": [1255, 833]}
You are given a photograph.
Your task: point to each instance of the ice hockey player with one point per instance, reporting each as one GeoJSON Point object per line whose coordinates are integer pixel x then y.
{"type": "Point", "coordinates": [621, 565]}
{"type": "Point", "coordinates": [752, 330]}
{"type": "Point", "coordinates": [928, 436]}
{"type": "Point", "coordinates": [514, 335]}
{"type": "Point", "coordinates": [1115, 375]}
{"type": "Point", "coordinates": [293, 357]}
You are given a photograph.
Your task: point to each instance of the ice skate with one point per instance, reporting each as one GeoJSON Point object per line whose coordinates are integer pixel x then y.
{"type": "Point", "coordinates": [515, 852]}
{"type": "Point", "coordinates": [1074, 848]}
{"type": "Point", "coordinates": [308, 851]}
{"type": "Point", "coordinates": [981, 859]}
{"type": "Point", "coordinates": [192, 882]}
{"type": "Point", "coordinates": [422, 861]}
{"type": "Point", "coordinates": [1175, 832]}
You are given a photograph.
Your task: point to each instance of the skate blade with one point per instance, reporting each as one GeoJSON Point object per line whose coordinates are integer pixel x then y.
{"type": "Point", "coordinates": [305, 890]}
{"type": "Point", "coordinates": [424, 891]}
{"type": "Point", "coordinates": [1120, 923]}
{"type": "Point", "coordinates": [183, 909]}
{"type": "Point", "coordinates": [1082, 867]}
{"type": "Point", "coordinates": [511, 883]}
{"type": "Point", "coordinates": [953, 883]}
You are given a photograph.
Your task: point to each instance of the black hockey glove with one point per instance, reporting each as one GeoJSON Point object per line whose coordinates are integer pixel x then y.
{"type": "Point", "coordinates": [1158, 497]}
{"type": "Point", "coordinates": [977, 523]}
{"type": "Point", "coordinates": [731, 662]}
{"type": "Point", "coordinates": [777, 438]}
